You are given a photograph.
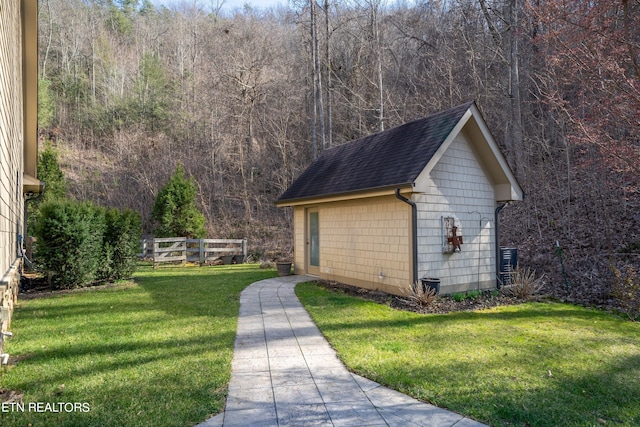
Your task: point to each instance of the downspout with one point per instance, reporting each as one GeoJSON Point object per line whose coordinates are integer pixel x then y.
{"type": "Point", "coordinates": [28, 197]}
{"type": "Point", "coordinates": [414, 238]}
{"type": "Point", "coordinates": [497, 244]}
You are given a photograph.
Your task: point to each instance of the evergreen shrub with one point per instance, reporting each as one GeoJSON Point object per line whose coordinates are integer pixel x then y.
{"type": "Point", "coordinates": [121, 243]}
{"type": "Point", "coordinates": [55, 183]}
{"type": "Point", "coordinates": [80, 243]}
{"type": "Point", "coordinates": [70, 237]}
{"type": "Point", "coordinates": [175, 209]}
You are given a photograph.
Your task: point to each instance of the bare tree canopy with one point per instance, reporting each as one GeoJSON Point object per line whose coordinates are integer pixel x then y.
{"type": "Point", "coordinates": [244, 100]}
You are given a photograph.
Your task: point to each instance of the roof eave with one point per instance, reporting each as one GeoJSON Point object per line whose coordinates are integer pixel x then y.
{"type": "Point", "coordinates": [30, 85]}
{"type": "Point", "coordinates": [386, 190]}
{"type": "Point", "coordinates": [514, 191]}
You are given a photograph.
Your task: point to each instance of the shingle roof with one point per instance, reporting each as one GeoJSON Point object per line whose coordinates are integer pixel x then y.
{"type": "Point", "coordinates": [394, 157]}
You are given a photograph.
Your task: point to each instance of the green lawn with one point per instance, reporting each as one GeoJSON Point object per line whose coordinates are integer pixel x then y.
{"type": "Point", "coordinates": [530, 365]}
{"type": "Point", "coordinates": [154, 353]}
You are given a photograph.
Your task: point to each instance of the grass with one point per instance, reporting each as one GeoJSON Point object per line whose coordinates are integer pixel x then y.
{"type": "Point", "coordinates": [155, 352]}
{"type": "Point", "coordinates": [535, 364]}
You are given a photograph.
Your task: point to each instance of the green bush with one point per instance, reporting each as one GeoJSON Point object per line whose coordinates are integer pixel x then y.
{"type": "Point", "coordinates": [80, 243]}
{"type": "Point", "coordinates": [461, 296]}
{"type": "Point", "coordinates": [458, 296]}
{"type": "Point", "coordinates": [55, 183]}
{"type": "Point", "coordinates": [70, 239]}
{"type": "Point", "coordinates": [121, 243]}
{"type": "Point", "coordinates": [473, 294]}
{"type": "Point", "coordinates": [175, 209]}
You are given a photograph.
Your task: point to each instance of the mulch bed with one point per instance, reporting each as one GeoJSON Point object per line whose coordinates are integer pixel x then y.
{"type": "Point", "coordinates": [34, 285]}
{"type": "Point", "coordinates": [443, 304]}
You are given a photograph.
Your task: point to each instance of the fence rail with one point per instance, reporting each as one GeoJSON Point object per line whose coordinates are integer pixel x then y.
{"type": "Point", "coordinates": [183, 250]}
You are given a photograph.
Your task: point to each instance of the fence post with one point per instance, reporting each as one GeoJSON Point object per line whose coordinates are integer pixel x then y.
{"type": "Point", "coordinates": [144, 248]}
{"type": "Point", "coordinates": [184, 252]}
{"type": "Point", "coordinates": [156, 246]}
{"type": "Point", "coordinates": [201, 251]}
{"type": "Point", "coordinates": [244, 247]}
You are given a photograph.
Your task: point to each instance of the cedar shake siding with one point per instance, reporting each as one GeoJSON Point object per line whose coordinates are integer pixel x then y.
{"type": "Point", "coordinates": [363, 242]}
{"type": "Point", "coordinates": [458, 188]}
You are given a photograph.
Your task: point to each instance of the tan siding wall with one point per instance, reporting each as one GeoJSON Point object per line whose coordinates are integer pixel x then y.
{"type": "Point", "coordinates": [11, 143]}
{"type": "Point", "coordinates": [360, 239]}
{"type": "Point", "coordinates": [11, 205]}
{"type": "Point", "coordinates": [458, 187]}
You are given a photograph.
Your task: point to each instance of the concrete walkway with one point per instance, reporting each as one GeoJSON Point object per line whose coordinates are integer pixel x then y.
{"type": "Point", "coordinates": [285, 373]}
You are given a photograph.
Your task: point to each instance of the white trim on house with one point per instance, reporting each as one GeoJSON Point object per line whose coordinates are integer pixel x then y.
{"type": "Point", "coordinates": [423, 177]}
{"type": "Point", "coordinates": [506, 187]}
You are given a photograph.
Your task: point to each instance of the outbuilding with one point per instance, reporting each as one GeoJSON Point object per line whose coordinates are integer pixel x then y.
{"type": "Point", "coordinates": [416, 201]}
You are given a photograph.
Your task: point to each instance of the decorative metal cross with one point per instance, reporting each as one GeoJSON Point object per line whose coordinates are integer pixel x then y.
{"type": "Point", "coordinates": [455, 240]}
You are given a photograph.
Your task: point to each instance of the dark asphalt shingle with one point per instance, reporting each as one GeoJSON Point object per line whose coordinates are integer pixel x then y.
{"type": "Point", "coordinates": [389, 158]}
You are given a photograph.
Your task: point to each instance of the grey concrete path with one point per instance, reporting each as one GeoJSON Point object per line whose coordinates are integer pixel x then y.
{"type": "Point", "coordinates": [285, 373]}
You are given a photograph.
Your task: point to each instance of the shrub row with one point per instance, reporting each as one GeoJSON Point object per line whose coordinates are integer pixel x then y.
{"type": "Point", "coordinates": [80, 243]}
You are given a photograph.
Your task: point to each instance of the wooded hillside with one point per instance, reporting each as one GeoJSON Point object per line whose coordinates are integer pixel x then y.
{"type": "Point", "coordinates": [246, 100]}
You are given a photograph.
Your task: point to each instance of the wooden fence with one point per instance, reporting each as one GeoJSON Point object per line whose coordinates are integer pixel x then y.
{"type": "Point", "coordinates": [183, 250]}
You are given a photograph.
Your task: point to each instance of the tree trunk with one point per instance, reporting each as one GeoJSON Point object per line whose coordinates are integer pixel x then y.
{"type": "Point", "coordinates": [514, 92]}
{"type": "Point", "coordinates": [328, 65]}
{"type": "Point", "coordinates": [317, 80]}
{"type": "Point", "coordinates": [375, 5]}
